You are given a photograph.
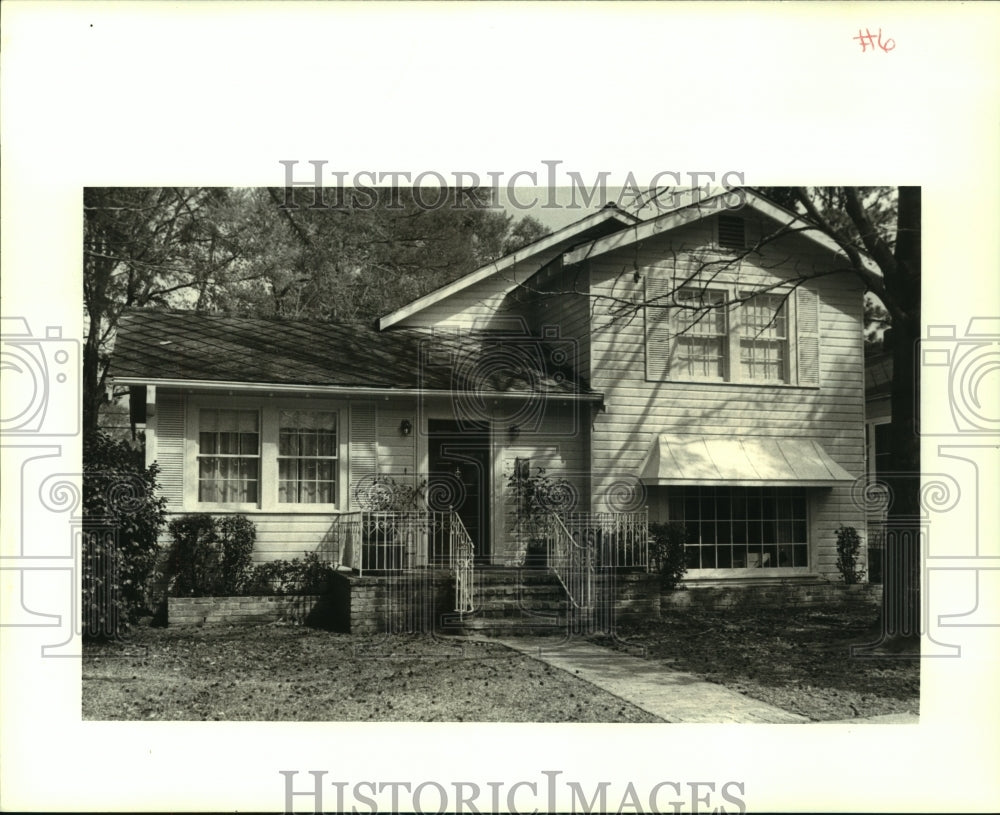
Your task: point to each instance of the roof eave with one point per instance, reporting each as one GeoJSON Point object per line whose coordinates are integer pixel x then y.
{"type": "Point", "coordinates": [695, 212]}
{"type": "Point", "coordinates": [484, 272]}
{"type": "Point", "coordinates": [340, 390]}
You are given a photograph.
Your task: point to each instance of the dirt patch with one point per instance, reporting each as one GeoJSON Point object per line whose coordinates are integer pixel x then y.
{"type": "Point", "coordinates": [279, 672]}
{"type": "Point", "coordinates": [794, 658]}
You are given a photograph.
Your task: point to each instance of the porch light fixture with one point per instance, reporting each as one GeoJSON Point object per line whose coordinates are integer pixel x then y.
{"type": "Point", "coordinates": [405, 427]}
{"type": "Point", "coordinates": [513, 432]}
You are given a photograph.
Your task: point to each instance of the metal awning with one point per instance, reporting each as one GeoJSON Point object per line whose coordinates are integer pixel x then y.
{"type": "Point", "coordinates": [749, 461]}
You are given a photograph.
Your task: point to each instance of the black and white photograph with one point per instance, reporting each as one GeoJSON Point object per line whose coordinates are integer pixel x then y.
{"type": "Point", "coordinates": [394, 421]}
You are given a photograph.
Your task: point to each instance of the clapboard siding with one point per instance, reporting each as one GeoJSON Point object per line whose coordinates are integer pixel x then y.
{"type": "Point", "coordinates": [478, 305]}
{"type": "Point", "coordinates": [636, 410]}
{"type": "Point", "coordinates": [558, 445]}
{"type": "Point", "coordinates": [562, 302]}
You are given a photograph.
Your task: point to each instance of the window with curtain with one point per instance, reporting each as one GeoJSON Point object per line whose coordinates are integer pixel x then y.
{"type": "Point", "coordinates": [307, 457]}
{"type": "Point", "coordinates": [228, 456]}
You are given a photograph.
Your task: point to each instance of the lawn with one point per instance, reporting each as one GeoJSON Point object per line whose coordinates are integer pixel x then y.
{"type": "Point", "coordinates": [797, 659]}
{"type": "Point", "coordinates": [281, 672]}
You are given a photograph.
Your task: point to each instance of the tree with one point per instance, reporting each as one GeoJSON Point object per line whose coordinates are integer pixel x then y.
{"type": "Point", "coordinates": [144, 247]}
{"type": "Point", "coordinates": [898, 257]}
{"type": "Point", "coordinates": [243, 251]}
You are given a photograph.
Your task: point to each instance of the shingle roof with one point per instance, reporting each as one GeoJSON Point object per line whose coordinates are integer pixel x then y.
{"type": "Point", "coordinates": [186, 345]}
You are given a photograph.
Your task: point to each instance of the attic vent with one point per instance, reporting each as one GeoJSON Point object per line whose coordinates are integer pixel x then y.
{"type": "Point", "coordinates": [732, 232]}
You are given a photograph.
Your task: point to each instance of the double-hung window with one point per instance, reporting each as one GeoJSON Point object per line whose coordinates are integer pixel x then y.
{"type": "Point", "coordinates": [228, 456]}
{"type": "Point", "coordinates": [723, 332]}
{"type": "Point", "coordinates": [764, 338]}
{"type": "Point", "coordinates": [271, 458]}
{"type": "Point", "coordinates": [700, 330]}
{"type": "Point", "coordinates": [307, 457]}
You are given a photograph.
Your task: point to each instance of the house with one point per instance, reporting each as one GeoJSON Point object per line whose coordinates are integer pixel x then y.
{"type": "Point", "coordinates": [704, 365]}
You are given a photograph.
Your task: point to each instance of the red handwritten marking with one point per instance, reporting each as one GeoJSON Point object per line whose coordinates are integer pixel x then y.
{"type": "Point", "coordinates": [874, 41]}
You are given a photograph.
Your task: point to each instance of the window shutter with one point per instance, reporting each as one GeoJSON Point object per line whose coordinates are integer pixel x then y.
{"type": "Point", "coordinates": [364, 458]}
{"type": "Point", "coordinates": [170, 448]}
{"type": "Point", "coordinates": [807, 335]}
{"type": "Point", "coordinates": [657, 318]}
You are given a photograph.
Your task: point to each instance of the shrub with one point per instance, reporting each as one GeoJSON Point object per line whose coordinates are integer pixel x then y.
{"type": "Point", "coordinates": [848, 546]}
{"type": "Point", "coordinates": [307, 576]}
{"type": "Point", "coordinates": [123, 516]}
{"type": "Point", "coordinates": [237, 536]}
{"type": "Point", "coordinates": [666, 551]}
{"type": "Point", "coordinates": [210, 556]}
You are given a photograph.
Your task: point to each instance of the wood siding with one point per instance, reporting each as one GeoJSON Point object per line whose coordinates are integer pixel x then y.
{"type": "Point", "coordinates": [370, 443]}
{"type": "Point", "coordinates": [636, 410]}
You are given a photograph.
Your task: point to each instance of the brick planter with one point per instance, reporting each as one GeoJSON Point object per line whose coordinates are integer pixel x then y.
{"type": "Point", "coordinates": [210, 610]}
{"type": "Point", "coordinates": [414, 601]}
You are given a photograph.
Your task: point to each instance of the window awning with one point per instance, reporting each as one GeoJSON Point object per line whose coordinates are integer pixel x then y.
{"type": "Point", "coordinates": [749, 461]}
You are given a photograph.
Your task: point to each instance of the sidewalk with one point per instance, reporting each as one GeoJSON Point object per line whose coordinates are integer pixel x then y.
{"type": "Point", "coordinates": [672, 695]}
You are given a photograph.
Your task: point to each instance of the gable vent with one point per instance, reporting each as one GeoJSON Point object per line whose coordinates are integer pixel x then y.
{"type": "Point", "coordinates": [732, 232]}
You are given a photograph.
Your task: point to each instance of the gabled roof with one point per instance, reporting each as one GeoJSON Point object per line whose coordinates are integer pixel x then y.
{"type": "Point", "coordinates": [186, 348]}
{"type": "Point", "coordinates": [707, 206]}
{"type": "Point", "coordinates": [608, 219]}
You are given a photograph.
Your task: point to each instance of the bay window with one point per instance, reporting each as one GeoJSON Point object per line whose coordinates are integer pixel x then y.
{"type": "Point", "coordinates": [742, 527]}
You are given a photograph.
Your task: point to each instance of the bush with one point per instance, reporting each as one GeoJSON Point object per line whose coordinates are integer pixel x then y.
{"type": "Point", "coordinates": [123, 516]}
{"type": "Point", "coordinates": [210, 556]}
{"type": "Point", "coordinates": [307, 576]}
{"type": "Point", "coordinates": [666, 551]}
{"type": "Point", "coordinates": [848, 546]}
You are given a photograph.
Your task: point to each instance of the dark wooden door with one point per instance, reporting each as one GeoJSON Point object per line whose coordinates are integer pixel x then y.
{"type": "Point", "coordinates": [459, 458]}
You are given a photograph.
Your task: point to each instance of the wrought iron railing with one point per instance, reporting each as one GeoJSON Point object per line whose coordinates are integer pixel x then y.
{"type": "Point", "coordinates": [572, 562]}
{"type": "Point", "coordinates": [392, 541]}
{"type": "Point", "coordinates": [463, 565]}
{"type": "Point", "coordinates": [615, 539]}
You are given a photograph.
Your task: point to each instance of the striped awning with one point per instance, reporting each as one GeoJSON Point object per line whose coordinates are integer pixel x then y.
{"type": "Point", "coordinates": [740, 461]}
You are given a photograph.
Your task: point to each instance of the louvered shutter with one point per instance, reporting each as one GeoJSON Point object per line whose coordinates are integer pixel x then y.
{"type": "Point", "coordinates": [807, 335]}
{"type": "Point", "coordinates": [657, 318]}
{"type": "Point", "coordinates": [364, 456]}
{"type": "Point", "coordinates": [170, 448]}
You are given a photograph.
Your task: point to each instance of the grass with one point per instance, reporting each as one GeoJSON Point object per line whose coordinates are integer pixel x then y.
{"type": "Point", "coordinates": [793, 658]}
{"type": "Point", "coordinates": [797, 659]}
{"type": "Point", "coordinates": [289, 673]}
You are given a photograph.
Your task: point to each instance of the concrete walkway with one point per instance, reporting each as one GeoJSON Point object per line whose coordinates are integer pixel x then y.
{"type": "Point", "coordinates": [672, 695]}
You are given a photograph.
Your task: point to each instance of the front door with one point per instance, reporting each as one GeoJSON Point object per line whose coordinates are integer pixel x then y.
{"type": "Point", "coordinates": [459, 458]}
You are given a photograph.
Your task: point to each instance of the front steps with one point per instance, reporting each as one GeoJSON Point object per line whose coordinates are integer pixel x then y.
{"type": "Point", "coordinates": [518, 602]}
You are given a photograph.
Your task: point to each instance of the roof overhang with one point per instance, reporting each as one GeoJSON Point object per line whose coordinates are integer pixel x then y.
{"type": "Point", "coordinates": [345, 390]}
{"type": "Point", "coordinates": [711, 204]}
{"type": "Point", "coordinates": [748, 461]}
{"type": "Point", "coordinates": [543, 244]}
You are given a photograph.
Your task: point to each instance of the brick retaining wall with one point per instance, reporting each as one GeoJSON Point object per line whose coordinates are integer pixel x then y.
{"type": "Point", "coordinates": [202, 610]}
{"type": "Point", "coordinates": [414, 602]}
{"type": "Point", "coordinates": [637, 596]}
{"type": "Point", "coordinates": [788, 594]}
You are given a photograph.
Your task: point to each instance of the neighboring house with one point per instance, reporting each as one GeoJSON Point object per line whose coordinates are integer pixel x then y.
{"type": "Point", "coordinates": [705, 365]}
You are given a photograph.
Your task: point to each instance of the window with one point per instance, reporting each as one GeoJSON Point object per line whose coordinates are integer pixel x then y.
{"type": "Point", "coordinates": [727, 334]}
{"type": "Point", "coordinates": [764, 338]}
{"type": "Point", "coordinates": [742, 527]}
{"type": "Point", "coordinates": [307, 457]}
{"type": "Point", "coordinates": [228, 456]}
{"type": "Point", "coordinates": [700, 329]}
